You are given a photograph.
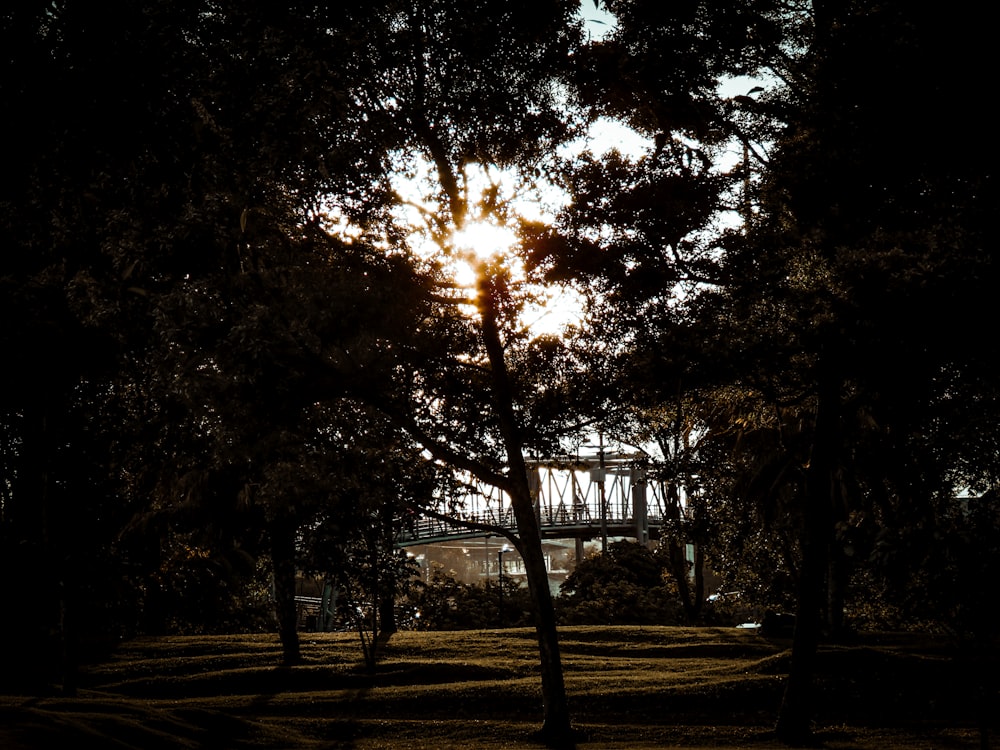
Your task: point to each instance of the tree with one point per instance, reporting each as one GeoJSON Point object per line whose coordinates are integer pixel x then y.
{"type": "Point", "coordinates": [167, 163]}
{"type": "Point", "coordinates": [816, 305]}
{"type": "Point", "coordinates": [84, 114]}
{"type": "Point", "coordinates": [351, 541]}
{"type": "Point", "coordinates": [946, 583]}
{"type": "Point", "coordinates": [476, 90]}
{"type": "Point", "coordinates": [839, 239]}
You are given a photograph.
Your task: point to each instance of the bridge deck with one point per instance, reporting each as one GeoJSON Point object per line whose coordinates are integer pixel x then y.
{"type": "Point", "coordinates": [431, 530]}
{"type": "Point", "coordinates": [612, 498]}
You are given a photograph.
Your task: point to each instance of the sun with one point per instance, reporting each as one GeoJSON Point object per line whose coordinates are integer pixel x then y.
{"type": "Point", "coordinates": [477, 242]}
{"type": "Point", "coordinates": [484, 240]}
{"type": "Point", "coordinates": [486, 237]}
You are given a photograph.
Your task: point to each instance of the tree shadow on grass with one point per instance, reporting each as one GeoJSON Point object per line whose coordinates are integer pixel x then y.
{"type": "Point", "coordinates": [357, 686]}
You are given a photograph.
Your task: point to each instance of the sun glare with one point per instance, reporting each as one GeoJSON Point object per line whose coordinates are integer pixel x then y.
{"type": "Point", "coordinates": [476, 242]}
{"type": "Point", "coordinates": [462, 252]}
{"type": "Point", "coordinates": [484, 240]}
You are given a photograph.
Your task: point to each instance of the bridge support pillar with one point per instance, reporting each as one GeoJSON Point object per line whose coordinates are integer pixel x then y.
{"type": "Point", "coordinates": [579, 550]}
{"type": "Point", "coordinates": [639, 512]}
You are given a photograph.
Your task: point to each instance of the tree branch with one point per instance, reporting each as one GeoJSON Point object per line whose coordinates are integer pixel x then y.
{"type": "Point", "coordinates": [471, 525]}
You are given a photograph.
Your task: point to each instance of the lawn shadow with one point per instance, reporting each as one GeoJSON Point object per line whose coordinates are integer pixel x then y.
{"type": "Point", "coordinates": [348, 730]}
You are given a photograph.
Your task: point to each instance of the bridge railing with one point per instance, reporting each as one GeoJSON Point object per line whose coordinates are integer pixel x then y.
{"type": "Point", "coordinates": [563, 498]}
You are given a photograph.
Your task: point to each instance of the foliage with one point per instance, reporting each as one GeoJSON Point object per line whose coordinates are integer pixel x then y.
{"type": "Point", "coordinates": [813, 327]}
{"type": "Point", "coordinates": [351, 541]}
{"type": "Point", "coordinates": [197, 590]}
{"type": "Point", "coordinates": [445, 603]}
{"type": "Point", "coordinates": [959, 554]}
{"type": "Point", "coordinates": [626, 585]}
{"type": "Point", "coordinates": [227, 338]}
{"type": "Point", "coordinates": [149, 177]}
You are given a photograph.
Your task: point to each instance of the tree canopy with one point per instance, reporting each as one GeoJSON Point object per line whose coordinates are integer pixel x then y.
{"type": "Point", "coordinates": [230, 232]}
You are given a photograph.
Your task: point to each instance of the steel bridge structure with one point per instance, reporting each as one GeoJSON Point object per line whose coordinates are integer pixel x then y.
{"type": "Point", "coordinates": [595, 497]}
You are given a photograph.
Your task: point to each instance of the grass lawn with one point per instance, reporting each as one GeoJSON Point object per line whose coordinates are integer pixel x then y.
{"type": "Point", "coordinates": [631, 688]}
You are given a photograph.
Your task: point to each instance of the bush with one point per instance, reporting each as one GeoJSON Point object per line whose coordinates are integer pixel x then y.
{"type": "Point", "coordinates": [198, 591]}
{"type": "Point", "coordinates": [625, 585]}
{"type": "Point", "coordinates": [445, 603]}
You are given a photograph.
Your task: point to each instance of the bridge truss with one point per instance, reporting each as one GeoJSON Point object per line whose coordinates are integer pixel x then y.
{"type": "Point", "coordinates": [600, 496]}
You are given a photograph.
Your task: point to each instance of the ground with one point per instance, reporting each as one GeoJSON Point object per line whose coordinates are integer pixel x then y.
{"type": "Point", "coordinates": [631, 688]}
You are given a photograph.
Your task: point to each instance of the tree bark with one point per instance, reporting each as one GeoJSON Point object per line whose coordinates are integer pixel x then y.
{"type": "Point", "coordinates": [387, 614]}
{"type": "Point", "coordinates": [282, 532]}
{"type": "Point", "coordinates": [837, 580]}
{"type": "Point", "coordinates": [556, 729]}
{"type": "Point", "coordinates": [34, 653]}
{"type": "Point", "coordinates": [794, 717]}
{"type": "Point", "coordinates": [388, 584]}
{"type": "Point", "coordinates": [556, 725]}
{"type": "Point", "coordinates": [699, 582]}
{"type": "Point", "coordinates": [677, 559]}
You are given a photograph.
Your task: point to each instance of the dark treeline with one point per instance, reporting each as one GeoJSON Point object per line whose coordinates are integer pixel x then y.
{"type": "Point", "coordinates": [228, 355]}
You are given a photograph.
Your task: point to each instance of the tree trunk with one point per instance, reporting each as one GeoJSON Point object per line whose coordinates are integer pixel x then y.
{"type": "Point", "coordinates": [69, 635]}
{"type": "Point", "coordinates": [794, 718]}
{"type": "Point", "coordinates": [837, 581]}
{"type": "Point", "coordinates": [983, 658]}
{"type": "Point", "coordinates": [388, 582]}
{"type": "Point", "coordinates": [682, 577]}
{"type": "Point", "coordinates": [31, 654]}
{"type": "Point", "coordinates": [282, 532]}
{"type": "Point", "coordinates": [387, 614]}
{"type": "Point", "coordinates": [699, 582]}
{"type": "Point", "coordinates": [556, 728]}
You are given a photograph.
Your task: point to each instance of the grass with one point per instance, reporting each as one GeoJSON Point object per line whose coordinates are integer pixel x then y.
{"type": "Point", "coordinates": [631, 688]}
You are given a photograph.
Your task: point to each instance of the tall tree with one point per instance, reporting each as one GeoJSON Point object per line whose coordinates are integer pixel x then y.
{"type": "Point", "coordinates": [824, 302]}
{"type": "Point", "coordinates": [169, 153]}
{"type": "Point", "coordinates": [475, 91]}
{"type": "Point", "coordinates": [849, 208]}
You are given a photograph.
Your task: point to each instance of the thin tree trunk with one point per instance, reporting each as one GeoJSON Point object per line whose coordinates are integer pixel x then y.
{"type": "Point", "coordinates": [388, 583]}
{"type": "Point", "coordinates": [682, 577]}
{"type": "Point", "coordinates": [387, 614]}
{"type": "Point", "coordinates": [677, 559]}
{"type": "Point", "coordinates": [69, 635]}
{"type": "Point", "coordinates": [795, 715]}
{"type": "Point", "coordinates": [699, 581]}
{"type": "Point", "coordinates": [556, 729]}
{"type": "Point", "coordinates": [837, 579]}
{"type": "Point", "coordinates": [794, 718]}
{"type": "Point", "coordinates": [282, 532]}
{"type": "Point", "coordinates": [984, 681]}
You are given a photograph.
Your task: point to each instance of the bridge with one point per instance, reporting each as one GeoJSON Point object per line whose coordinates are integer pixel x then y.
{"type": "Point", "coordinates": [601, 496]}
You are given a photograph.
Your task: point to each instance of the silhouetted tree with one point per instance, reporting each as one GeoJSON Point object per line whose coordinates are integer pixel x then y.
{"type": "Point", "coordinates": [830, 302]}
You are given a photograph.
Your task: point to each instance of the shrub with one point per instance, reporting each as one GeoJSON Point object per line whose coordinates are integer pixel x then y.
{"type": "Point", "coordinates": [626, 584]}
